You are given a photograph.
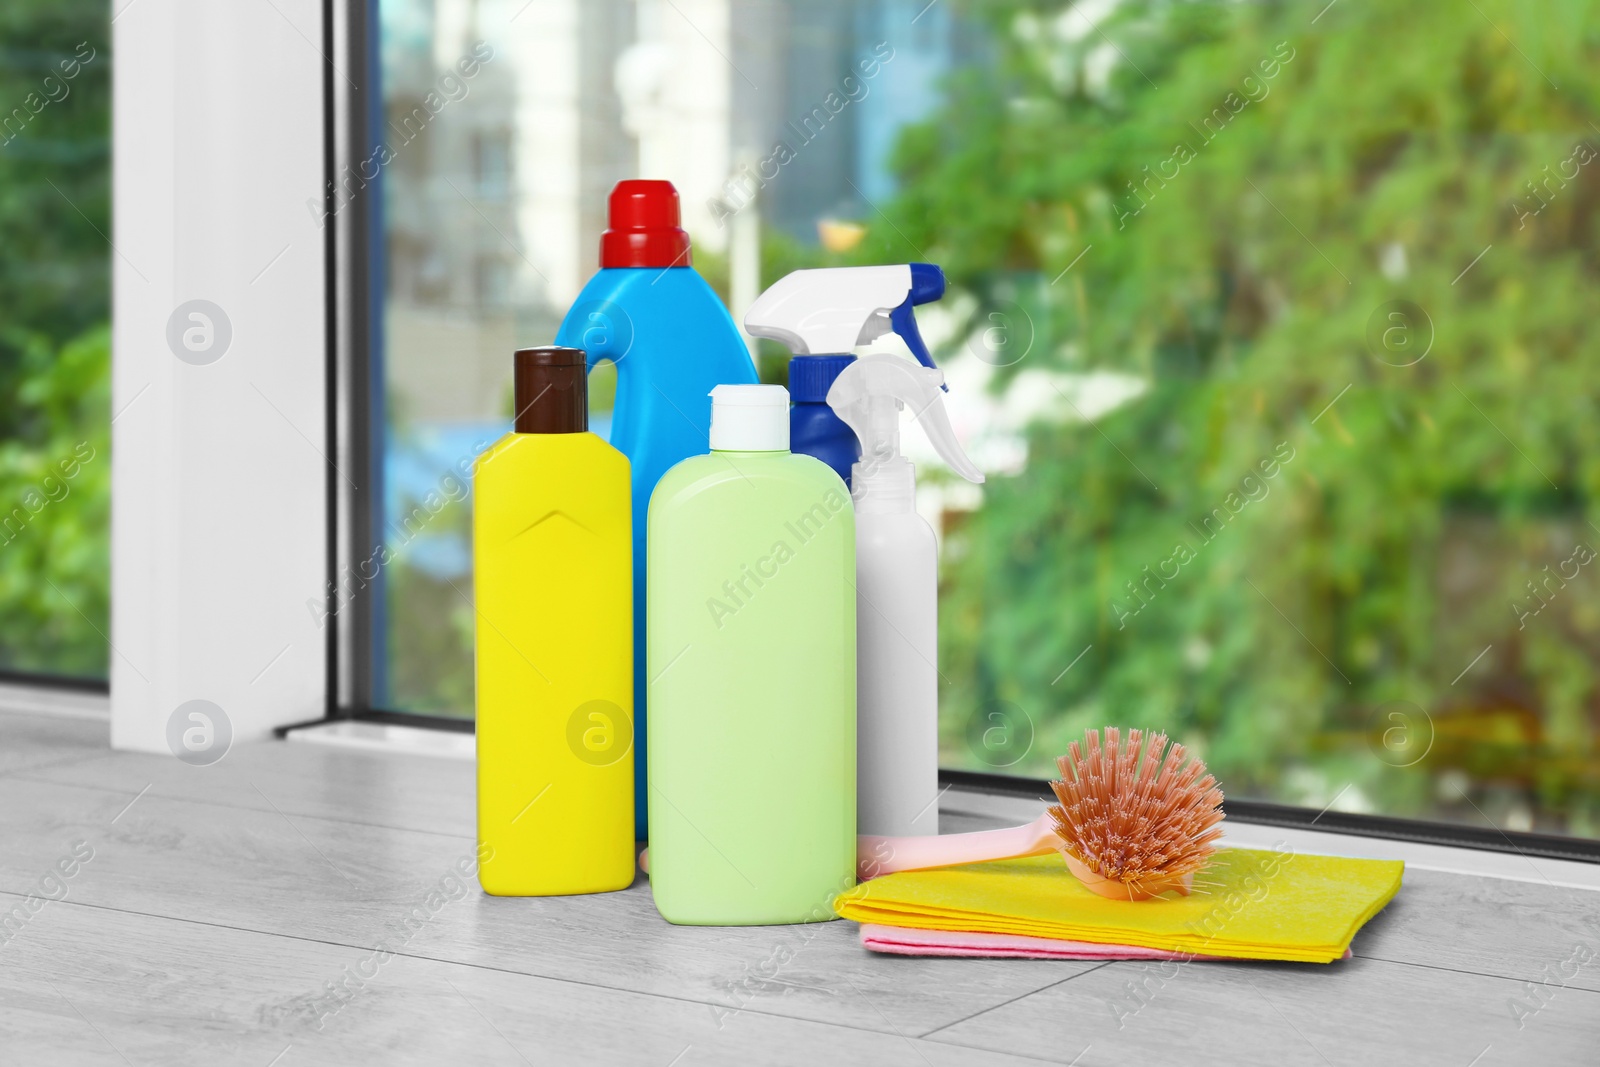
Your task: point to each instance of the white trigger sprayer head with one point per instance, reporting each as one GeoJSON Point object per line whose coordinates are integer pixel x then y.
{"type": "Point", "coordinates": [867, 397]}
{"type": "Point", "coordinates": [830, 310]}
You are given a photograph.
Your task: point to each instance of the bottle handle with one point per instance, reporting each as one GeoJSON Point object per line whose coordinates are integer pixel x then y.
{"type": "Point", "coordinates": [601, 328]}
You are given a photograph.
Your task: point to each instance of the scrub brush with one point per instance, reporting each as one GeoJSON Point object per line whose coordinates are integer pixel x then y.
{"type": "Point", "coordinates": [1131, 822]}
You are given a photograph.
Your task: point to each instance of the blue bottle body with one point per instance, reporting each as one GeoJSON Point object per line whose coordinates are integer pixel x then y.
{"type": "Point", "coordinates": [672, 342]}
{"type": "Point", "coordinates": [814, 430]}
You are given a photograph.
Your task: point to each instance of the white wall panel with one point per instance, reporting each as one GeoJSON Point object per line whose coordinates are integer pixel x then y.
{"type": "Point", "coordinates": [219, 469]}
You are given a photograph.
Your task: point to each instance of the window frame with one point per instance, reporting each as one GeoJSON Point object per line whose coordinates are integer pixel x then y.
{"type": "Point", "coordinates": [210, 586]}
{"type": "Point", "coordinates": [354, 250]}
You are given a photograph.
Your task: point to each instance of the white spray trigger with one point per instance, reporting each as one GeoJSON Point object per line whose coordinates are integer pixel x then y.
{"type": "Point", "coordinates": [829, 309]}
{"type": "Point", "coordinates": [867, 397]}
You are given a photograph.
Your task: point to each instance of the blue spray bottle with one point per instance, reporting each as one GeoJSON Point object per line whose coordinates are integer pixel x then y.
{"type": "Point", "coordinates": [820, 315]}
{"type": "Point", "coordinates": [672, 341]}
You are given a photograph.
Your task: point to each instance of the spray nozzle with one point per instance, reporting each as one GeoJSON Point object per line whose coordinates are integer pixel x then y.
{"type": "Point", "coordinates": [831, 310]}
{"type": "Point", "coordinates": [868, 395]}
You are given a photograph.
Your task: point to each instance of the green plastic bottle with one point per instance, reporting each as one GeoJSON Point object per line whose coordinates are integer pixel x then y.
{"type": "Point", "coordinates": [752, 666]}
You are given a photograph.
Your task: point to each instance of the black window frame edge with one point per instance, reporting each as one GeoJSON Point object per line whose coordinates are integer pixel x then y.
{"type": "Point", "coordinates": [1290, 816]}
{"type": "Point", "coordinates": [353, 412]}
{"type": "Point", "coordinates": [350, 35]}
{"type": "Point", "coordinates": [332, 349]}
{"type": "Point", "coordinates": [76, 683]}
{"type": "Point", "coordinates": [353, 416]}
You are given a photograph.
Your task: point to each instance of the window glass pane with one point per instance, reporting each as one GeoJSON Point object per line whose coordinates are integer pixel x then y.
{"type": "Point", "coordinates": [55, 215]}
{"type": "Point", "coordinates": [1267, 325]}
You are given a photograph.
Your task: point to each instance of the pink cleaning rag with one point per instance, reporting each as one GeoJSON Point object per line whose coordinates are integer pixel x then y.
{"type": "Point", "coordinates": [905, 941]}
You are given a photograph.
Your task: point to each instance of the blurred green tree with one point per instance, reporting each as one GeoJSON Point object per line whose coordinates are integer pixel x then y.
{"type": "Point", "coordinates": [1241, 192]}
{"type": "Point", "coordinates": [55, 177]}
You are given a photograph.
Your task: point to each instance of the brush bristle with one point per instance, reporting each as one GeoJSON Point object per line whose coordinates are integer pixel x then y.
{"type": "Point", "coordinates": [1137, 811]}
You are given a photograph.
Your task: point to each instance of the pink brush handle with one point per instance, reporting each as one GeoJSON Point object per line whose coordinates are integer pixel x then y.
{"type": "Point", "coordinates": [885, 855]}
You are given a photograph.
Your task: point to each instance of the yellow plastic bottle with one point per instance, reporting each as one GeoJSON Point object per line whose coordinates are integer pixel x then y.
{"type": "Point", "coordinates": [553, 576]}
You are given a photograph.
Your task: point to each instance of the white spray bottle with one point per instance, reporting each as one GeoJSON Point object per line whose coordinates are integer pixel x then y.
{"type": "Point", "coordinates": [897, 578]}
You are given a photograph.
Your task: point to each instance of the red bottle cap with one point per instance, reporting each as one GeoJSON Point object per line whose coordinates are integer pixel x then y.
{"type": "Point", "coordinates": [644, 229]}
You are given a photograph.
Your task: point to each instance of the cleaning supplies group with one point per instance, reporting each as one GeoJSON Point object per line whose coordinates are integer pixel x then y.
{"type": "Point", "coordinates": [754, 573]}
{"type": "Point", "coordinates": [710, 565]}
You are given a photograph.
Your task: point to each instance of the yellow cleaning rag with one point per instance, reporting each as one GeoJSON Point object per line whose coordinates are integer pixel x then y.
{"type": "Point", "coordinates": [1247, 903]}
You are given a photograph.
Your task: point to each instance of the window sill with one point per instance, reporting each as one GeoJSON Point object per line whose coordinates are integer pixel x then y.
{"type": "Point", "coordinates": [959, 804]}
{"type": "Point", "coordinates": [387, 737]}
{"type": "Point", "coordinates": [51, 699]}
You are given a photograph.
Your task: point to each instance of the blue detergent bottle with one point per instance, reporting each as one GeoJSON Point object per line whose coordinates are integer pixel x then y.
{"type": "Point", "coordinates": [649, 312]}
{"type": "Point", "coordinates": [821, 315]}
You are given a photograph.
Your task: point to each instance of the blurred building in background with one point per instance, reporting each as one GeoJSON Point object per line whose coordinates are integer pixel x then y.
{"type": "Point", "coordinates": [493, 213]}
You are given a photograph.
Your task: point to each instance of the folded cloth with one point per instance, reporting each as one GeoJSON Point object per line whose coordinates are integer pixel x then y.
{"type": "Point", "coordinates": [1247, 904]}
{"type": "Point", "coordinates": [905, 941]}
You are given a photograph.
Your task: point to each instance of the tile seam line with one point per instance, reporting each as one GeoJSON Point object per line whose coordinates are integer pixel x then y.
{"type": "Point", "coordinates": [1390, 962]}
{"type": "Point", "coordinates": [1019, 996]}
{"type": "Point", "coordinates": [24, 771]}
{"type": "Point", "coordinates": [475, 966]}
{"type": "Point", "coordinates": [1475, 974]}
{"type": "Point", "coordinates": [20, 776]}
{"type": "Point", "coordinates": [946, 1043]}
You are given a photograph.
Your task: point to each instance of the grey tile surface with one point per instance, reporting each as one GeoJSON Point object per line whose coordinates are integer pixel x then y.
{"type": "Point", "coordinates": [400, 790]}
{"type": "Point", "coordinates": [222, 905]}
{"type": "Point", "coordinates": [34, 742]}
{"type": "Point", "coordinates": [1359, 1012]}
{"type": "Point", "coordinates": [1520, 930]}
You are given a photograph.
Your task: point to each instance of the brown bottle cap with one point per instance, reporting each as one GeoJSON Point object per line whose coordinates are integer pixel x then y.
{"type": "Point", "coordinates": [551, 390]}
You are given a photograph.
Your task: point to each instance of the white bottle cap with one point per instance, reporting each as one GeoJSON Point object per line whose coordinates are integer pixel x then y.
{"type": "Point", "coordinates": [750, 418]}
